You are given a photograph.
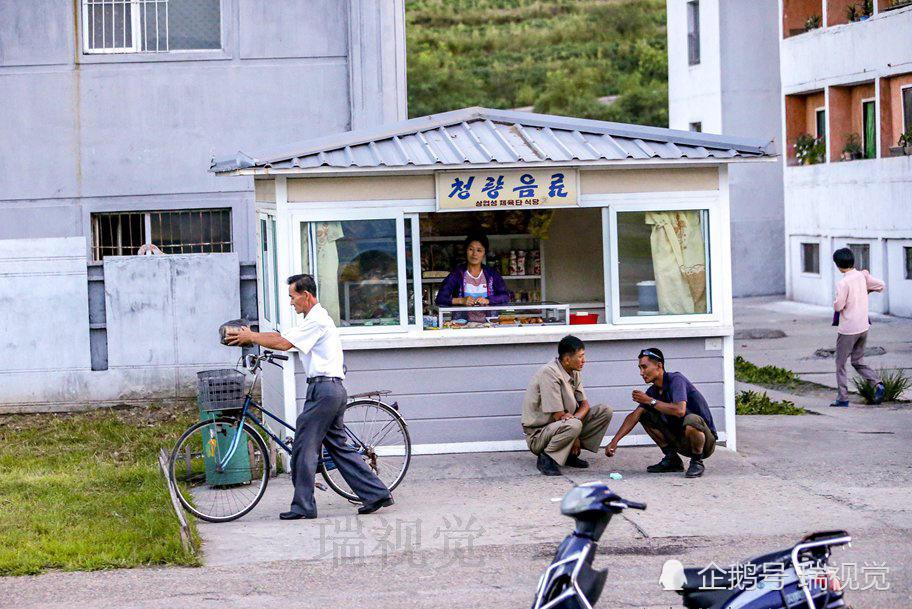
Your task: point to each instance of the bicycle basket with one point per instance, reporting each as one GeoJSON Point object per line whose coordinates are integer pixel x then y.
{"type": "Point", "coordinates": [220, 389]}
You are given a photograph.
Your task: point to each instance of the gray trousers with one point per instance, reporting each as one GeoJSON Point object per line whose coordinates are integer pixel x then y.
{"type": "Point", "coordinates": [556, 438]}
{"type": "Point", "coordinates": [852, 345]}
{"type": "Point", "coordinates": [320, 424]}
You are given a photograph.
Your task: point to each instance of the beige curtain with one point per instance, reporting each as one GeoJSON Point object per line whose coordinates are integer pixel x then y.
{"type": "Point", "coordinates": [678, 260]}
{"type": "Point", "coordinates": [328, 267]}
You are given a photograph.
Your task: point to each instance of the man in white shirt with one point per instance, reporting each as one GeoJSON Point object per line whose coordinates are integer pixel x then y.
{"type": "Point", "coordinates": [320, 423]}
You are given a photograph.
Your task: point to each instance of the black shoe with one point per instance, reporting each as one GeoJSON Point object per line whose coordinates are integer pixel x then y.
{"type": "Point", "coordinates": [696, 468]}
{"type": "Point", "coordinates": [370, 508]}
{"type": "Point", "coordinates": [291, 515]}
{"type": "Point", "coordinates": [548, 466]}
{"type": "Point", "coordinates": [575, 461]}
{"type": "Point", "coordinates": [669, 463]}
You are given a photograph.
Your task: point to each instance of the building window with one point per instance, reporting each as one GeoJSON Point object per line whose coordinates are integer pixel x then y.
{"type": "Point", "coordinates": [268, 259]}
{"type": "Point", "coordinates": [357, 271]}
{"type": "Point", "coordinates": [197, 231]}
{"type": "Point", "coordinates": [907, 251]}
{"type": "Point", "coordinates": [820, 125]}
{"type": "Point", "coordinates": [810, 258]}
{"type": "Point", "coordinates": [663, 262]}
{"type": "Point", "coordinates": [862, 253]}
{"type": "Point", "coordinates": [907, 109]}
{"type": "Point", "coordinates": [150, 26]}
{"type": "Point", "coordinates": [868, 116]}
{"type": "Point", "coordinates": [693, 32]}
{"type": "Point", "coordinates": [696, 127]}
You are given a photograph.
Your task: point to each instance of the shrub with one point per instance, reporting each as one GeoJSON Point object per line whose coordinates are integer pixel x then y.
{"type": "Point", "coordinates": [753, 402]}
{"type": "Point", "coordinates": [747, 372]}
{"type": "Point", "coordinates": [895, 383]}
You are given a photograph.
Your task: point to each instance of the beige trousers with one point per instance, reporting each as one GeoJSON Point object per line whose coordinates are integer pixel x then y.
{"type": "Point", "coordinates": [556, 439]}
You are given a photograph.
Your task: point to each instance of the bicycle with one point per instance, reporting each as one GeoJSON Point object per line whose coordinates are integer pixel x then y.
{"type": "Point", "coordinates": [220, 466]}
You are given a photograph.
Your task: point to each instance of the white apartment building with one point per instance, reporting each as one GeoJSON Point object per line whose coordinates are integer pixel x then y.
{"type": "Point", "coordinates": [846, 74]}
{"type": "Point", "coordinates": [723, 77]}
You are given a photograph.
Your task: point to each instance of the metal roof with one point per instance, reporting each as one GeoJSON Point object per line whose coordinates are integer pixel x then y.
{"type": "Point", "coordinates": [482, 136]}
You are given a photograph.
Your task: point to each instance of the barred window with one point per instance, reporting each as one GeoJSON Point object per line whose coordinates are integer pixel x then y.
{"type": "Point", "coordinates": [150, 26]}
{"type": "Point", "coordinates": [193, 231]}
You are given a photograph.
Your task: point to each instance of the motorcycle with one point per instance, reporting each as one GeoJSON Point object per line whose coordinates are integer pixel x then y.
{"type": "Point", "coordinates": [794, 578]}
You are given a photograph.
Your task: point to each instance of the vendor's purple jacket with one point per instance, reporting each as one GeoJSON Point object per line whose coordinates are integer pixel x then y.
{"type": "Point", "coordinates": [454, 287]}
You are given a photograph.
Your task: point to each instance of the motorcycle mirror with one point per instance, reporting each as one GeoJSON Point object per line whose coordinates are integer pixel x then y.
{"type": "Point", "coordinates": [672, 577]}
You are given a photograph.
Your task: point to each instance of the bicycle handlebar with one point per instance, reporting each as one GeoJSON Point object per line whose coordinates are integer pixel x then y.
{"type": "Point", "coordinates": [271, 355]}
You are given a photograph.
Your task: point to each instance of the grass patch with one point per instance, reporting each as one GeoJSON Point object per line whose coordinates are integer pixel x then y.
{"type": "Point", "coordinates": [895, 383]}
{"type": "Point", "coordinates": [83, 491]}
{"type": "Point", "coordinates": [754, 402]}
{"type": "Point", "coordinates": [747, 372]}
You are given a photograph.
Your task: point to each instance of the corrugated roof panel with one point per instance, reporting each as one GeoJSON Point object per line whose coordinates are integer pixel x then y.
{"type": "Point", "coordinates": [607, 148]}
{"type": "Point", "coordinates": [475, 136]}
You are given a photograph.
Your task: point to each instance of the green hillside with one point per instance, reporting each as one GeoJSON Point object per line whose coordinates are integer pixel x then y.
{"type": "Point", "coordinates": [559, 56]}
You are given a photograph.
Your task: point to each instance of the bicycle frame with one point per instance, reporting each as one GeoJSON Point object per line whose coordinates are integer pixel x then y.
{"type": "Point", "coordinates": [247, 415]}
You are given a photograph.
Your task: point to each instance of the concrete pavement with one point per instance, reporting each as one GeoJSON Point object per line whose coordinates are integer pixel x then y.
{"type": "Point", "coordinates": [847, 469]}
{"type": "Point", "coordinates": [807, 330]}
{"type": "Point", "coordinates": [477, 530]}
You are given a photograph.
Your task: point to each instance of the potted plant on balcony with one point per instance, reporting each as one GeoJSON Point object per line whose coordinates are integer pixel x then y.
{"type": "Point", "coordinates": [813, 22]}
{"type": "Point", "coordinates": [852, 150]}
{"type": "Point", "coordinates": [867, 9]}
{"type": "Point", "coordinates": [809, 150]}
{"type": "Point", "coordinates": [852, 12]}
{"type": "Point", "coordinates": [898, 4]}
{"type": "Point", "coordinates": [904, 145]}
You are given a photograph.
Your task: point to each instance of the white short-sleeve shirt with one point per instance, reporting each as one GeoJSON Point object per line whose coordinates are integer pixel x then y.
{"type": "Point", "coordinates": [318, 344]}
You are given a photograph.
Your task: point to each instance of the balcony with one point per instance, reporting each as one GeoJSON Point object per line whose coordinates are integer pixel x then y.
{"type": "Point", "coordinates": [843, 51]}
{"type": "Point", "coordinates": [805, 128]}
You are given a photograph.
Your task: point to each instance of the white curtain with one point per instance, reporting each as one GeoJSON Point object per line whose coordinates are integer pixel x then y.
{"type": "Point", "coordinates": [678, 260]}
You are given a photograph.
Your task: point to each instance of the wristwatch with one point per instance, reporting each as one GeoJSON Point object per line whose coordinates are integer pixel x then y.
{"type": "Point", "coordinates": [653, 402]}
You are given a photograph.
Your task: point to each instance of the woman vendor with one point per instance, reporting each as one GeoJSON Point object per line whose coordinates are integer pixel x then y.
{"type": "Point", "coordinates": [472, 283]}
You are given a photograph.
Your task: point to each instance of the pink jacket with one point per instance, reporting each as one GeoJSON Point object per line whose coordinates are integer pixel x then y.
{"type": "Point", "coordinates": [852, 300]}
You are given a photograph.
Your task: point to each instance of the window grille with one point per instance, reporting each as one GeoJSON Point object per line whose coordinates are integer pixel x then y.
{"type": "Point", "coordinates": [150, 26]}
{"type": "Point", "coordinates": [197, 231]}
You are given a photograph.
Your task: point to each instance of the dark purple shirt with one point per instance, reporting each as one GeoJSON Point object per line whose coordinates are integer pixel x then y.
{"type": "Point", "coordinates": [454, 287]}
{"type": "Point", "coordinates": [676, 388]}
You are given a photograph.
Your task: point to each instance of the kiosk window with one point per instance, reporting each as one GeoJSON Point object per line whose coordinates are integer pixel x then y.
{"type": "Point", "coordinates": [663, 262]}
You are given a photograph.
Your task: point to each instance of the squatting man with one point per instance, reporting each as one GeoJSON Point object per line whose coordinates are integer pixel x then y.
{"type": "Point", "coordinates": [559, 422]}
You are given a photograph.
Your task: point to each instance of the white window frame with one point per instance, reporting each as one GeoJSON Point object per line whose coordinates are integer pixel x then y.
{"type": "Point", "coordinates": [264, 302]}
{"type": "Point", "coordinates": [298, 217]}
{"type": "Point", "coordinates": [713, 259]}
{"type": "Point", "coordinates": [135, 30]}
{"type": "Point", "coordinates": [137, 34]}
{"type": "Point", "coordinates": [801, 245]}
{"type": "Point", "coordinates": [902, 104]}
{"type": "Point", "coordinates": [826, 126]}
{"type": "Point", "coordinates": [870, 100]}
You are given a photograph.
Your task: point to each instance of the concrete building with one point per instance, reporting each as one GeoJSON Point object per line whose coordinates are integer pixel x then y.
{"type": "Point", "coordinates": [723, 77]}
{"type": "Point", "coordinates": [846, 73]}
{"type": "Point", "coordinates": [112, 111]}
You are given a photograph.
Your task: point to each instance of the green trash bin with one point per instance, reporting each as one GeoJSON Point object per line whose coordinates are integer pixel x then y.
{"type": "Point", "coordinates": [220, 392]}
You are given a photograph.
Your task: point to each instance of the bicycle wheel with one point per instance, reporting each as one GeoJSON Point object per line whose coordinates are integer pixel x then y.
{"type": "Point", "coordinates": [212, 493]}
{"type": "Point", "coordinates": [381, 436]}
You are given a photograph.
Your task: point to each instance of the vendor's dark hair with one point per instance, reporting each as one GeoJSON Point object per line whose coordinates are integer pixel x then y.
{"type": "Point", "coordinates": [844, 258]}
{"type": "Point", "coordinates": [653, 353]}
{"type": "Point", "coordinates": [303, 283]}
{"type": "Point", "coordinates": [569, 345]}
{"type": "Point", "coordinates": [476, 236]}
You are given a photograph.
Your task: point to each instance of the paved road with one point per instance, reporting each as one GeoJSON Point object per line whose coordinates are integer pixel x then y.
{"type": "Point", "coordinates": [848, 468]}
{"type": "Point", "coordinates": [477, 530]}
